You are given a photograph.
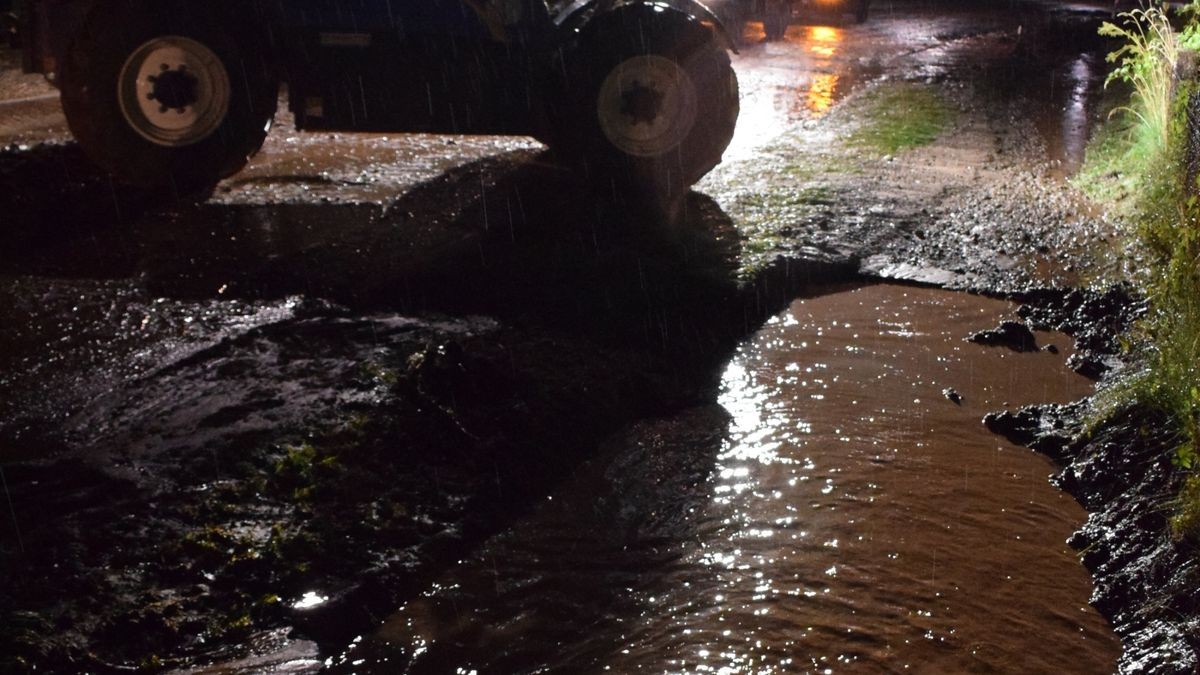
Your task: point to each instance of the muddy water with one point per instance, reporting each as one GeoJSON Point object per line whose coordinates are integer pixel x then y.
{"type": "Point", "coordinates": [835, 513]}
{"type": "Point", "coordinates": [1077, 86]}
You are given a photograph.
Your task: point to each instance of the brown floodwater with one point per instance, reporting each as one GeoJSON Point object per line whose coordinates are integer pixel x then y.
{"type": "Point", "coordinates": [836, 513]}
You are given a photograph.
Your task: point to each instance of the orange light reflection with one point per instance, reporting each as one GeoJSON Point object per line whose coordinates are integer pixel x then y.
{"type": "Point", "coordinates": [823, 40]}
{"type": "Point", "coordinates": [754, 31]}
{"type": "Point", "coordinates": [820, 94]}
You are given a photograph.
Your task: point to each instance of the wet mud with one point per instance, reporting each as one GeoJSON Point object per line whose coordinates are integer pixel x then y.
{"type": "Point", "coordinates": [280, 445]}
{"type": "Point", "coordinates": [295, 437]}
{"type": "Point", "coordinates": [984, 206]}
{"type": "Point", "coordinates": [247, 426]}
{"type": "Point", "coordinates": [411, 439]}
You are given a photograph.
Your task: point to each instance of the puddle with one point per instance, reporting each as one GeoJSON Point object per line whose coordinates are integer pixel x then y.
{"type": "Point", "coordinates": [1067, 122]}
{"type": "Point", "coordinates": [835, 513]}
{"type": "Point", "coordinates": [1057, 72]}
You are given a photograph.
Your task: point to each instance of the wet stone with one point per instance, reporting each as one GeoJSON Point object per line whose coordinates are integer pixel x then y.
{"type": "Point", "coordinates": [1045, 428]}
{"type": "Point", "coordinates": [1012, 334]}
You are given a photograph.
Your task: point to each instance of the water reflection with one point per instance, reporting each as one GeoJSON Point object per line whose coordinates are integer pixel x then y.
{"type": "Point", "coordinates": [1076, 119]}
{"type": "Point", "coordinates": [860, 522]}
{"type": "Point", "coordinates": [797, 79]}
{"type": "Point", "coordinates": [822, 40]}
{"type": "Point", "coordinates": [821, 94]}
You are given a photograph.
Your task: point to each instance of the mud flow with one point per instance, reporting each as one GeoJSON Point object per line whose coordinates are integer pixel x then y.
{"type": "Point", "coordinates": [842, 509]}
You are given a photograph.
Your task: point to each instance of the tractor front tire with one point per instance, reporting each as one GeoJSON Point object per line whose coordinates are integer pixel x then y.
{"type": "Point", "coordinates": [167, 95]}
{"type": "Point", "coordinates": [658, 108]}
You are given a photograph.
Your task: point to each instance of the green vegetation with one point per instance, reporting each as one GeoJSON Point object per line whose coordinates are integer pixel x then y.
{"type": "Point", "coordinates": [1114, 165]}
{"type": "Point", "coordinates": [1137, 163]}
{"type": "Point", "coordinates": [1134, 161]}
{"type": "Point", "coordinates": [301, 468]}
{"type": "Point", "coordinates": [813, 195]}
{"type": "Point", "coordinates": [901, 116]}
{"type": "Point", "coordinates": [1147, 61]}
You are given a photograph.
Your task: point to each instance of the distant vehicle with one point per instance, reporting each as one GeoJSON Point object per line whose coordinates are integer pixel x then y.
{"type": "Point", "coordinates": [777, 15]}
{"type": "Point", "coordinates": [182, 92]}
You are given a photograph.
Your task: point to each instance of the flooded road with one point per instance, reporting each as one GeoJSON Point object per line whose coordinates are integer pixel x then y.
{"type": "Point", "coordinates": [843, 509]}
{"type": "Point", "coordinates": [797, 80]}
{"type": "Point", "coordinates": [209, 395]}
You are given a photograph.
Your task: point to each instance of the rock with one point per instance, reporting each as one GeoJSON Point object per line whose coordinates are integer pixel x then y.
{"type": "Point", "coordinates": [952, 395]}
{"type": "Point", "coordinates": [1049, 429]}
{"type": "Point", "coordinates": [1088, 364]}
{"type": "Point", "coordinates": [1012, 334]}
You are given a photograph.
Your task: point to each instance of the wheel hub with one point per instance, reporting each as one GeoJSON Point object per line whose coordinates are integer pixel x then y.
{"type": "Point", "coordinates": [174, 91]}
{"type": "Point", "coordinates": [646, 106]}
{"type": "Point", "coordinates": [641, 103]}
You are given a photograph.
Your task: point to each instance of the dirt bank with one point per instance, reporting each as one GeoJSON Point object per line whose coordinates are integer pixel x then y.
{"type": "Point", "coordinates": [1123, 473]}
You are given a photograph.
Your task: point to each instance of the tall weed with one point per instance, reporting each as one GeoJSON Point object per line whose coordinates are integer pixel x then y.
{"type": "Point", "coordinates": [1164, 221]}
{"type": "Point", "coordinates": [1147, 60]}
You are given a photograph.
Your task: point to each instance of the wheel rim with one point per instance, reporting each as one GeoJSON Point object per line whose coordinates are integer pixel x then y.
{"type": "Point", "coordinates": [174, 91]}
{"type": "Point", "coordinates": [647, 106]}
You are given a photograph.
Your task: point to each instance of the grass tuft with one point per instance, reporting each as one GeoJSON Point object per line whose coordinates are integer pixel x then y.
{"type": "Point", "coordinates": [1186, 520]}
{"type": "Point", "coordinates": [1147, 60]}
{"type": "Point", "coordinates": [901, 116]}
